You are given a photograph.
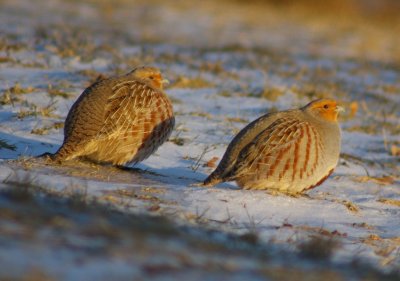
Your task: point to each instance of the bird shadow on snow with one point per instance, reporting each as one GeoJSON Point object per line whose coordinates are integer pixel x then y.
{"type": "Point", "coordinates": [20, 146]}
{"type": "Point", "coordinates": [178, 176]}
{"type": "Point", "coordinates": [182, 176]}
{"type": "Point", "coordinates": [141, 174]}
{"type": "Point", "coordinates": [20, 152]}
{"type": "Point", "coordinates": [82, 170]}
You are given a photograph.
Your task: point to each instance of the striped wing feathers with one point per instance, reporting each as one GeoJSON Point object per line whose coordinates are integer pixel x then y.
{"type": "Point", "coordinates": [135, 115]}
{"type": "Point", "coordinates": [282, 152]}
{"type": "Point", "coordinates": [131, 103]}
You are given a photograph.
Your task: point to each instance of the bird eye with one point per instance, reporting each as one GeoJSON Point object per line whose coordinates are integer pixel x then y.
{"type": "Point", "coordinates": [326, 106]}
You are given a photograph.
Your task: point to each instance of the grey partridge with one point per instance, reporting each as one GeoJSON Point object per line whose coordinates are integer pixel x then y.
{"type": "Point", "coordinates": [119, 120]}
{"type": "Point", "coordinates": [289, 151]}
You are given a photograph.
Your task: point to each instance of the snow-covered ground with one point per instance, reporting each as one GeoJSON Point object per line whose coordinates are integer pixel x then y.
{"type": "Point", "coordinates": [224, 72]}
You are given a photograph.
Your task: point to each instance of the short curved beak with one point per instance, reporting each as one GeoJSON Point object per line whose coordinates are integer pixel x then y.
{"type": "Point", "coordinates": [165, 82]}
{"type": "Point", "coordinates": [340, 109]}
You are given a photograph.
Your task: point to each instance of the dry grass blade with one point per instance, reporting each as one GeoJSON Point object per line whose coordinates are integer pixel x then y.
{"type": "Point", "coordinates": [5, 145]}
{"type": "Point", "coordinates": [196, 165]}
{"type": "Point", "coordinates": [350, 206]}
{"type": "Point", "coordinates": [388, 201]}
{"type": "Point", "coordinates": [384, 180]}
{"type": "Point", "coordinates": [17, 89]}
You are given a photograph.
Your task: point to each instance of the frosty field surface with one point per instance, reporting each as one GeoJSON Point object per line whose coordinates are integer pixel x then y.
{"type": "Point", "coordinates": [224, 72]}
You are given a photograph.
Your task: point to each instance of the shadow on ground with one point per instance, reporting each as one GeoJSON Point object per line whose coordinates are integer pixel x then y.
{"type": "Point", "coordinates": [144, 246]}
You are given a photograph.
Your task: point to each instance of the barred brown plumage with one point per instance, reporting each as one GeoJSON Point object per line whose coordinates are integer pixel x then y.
{"type": "Point", "coordinates": [119, 120]}
{"type": "Point", "coordinates": [289, 151]}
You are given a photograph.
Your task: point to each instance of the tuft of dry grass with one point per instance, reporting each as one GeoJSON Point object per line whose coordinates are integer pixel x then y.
{"type": "Point", "coordinates": [350, 206]}
{"type": "Point", "coordinates": [177, 140]}
{"type": "Point", "coordinates": [237, 120]}
{"type": "Point", "coordinates": [4, 59]}
{"type": "Point", "coordinates": [213, 67]}
{"type": "Point", "coordinates": [363, 225]}
{"type": "Point", "coordinates": [383, 180]}
{"type": "Point", "coordinates": [375, 127]}
{"type": "Point", "coordinates": [201, 114]}
{"type": "Point", "coordinates": [318, 247]}
{"type": "Point", "coordinates": [5, 145]}
{"type": "Point", "coordinates": [271, 94]}
{"type": "Point", "coordinates": [40, 131]}
{"type": "Point", "coordinates": [53, 92]}
{"type": "Point", "coordinates": [225, 93]}
{"type": "Point", "coordinates": [45, 129]}
{"type": "Point", "coordinates": [7, 99]}
{"type": "Point", "coordinates": [197, 161]}
{"type": "Point", "coordinates": [389, 201]}
{"type": "Point", "coordinates": [22, 113]}
{"type": "Point", "coordinates": [34, 110]}
{"type": "Point", "coordinates": [386, 248]}
{"type": "Point", "coordinates": [310, 91]}
{"type": "Point", "coordinates": [17, 89]}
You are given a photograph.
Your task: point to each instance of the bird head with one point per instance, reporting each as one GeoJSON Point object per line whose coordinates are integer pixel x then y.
{"type": "Point", "coordinates": [326, 109]}
{"type": "Point", "coordinates": [150, 75]}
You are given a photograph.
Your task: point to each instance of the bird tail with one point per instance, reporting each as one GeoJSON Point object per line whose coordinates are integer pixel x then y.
{"type": "Point", "coordinates": [62, 154]}
{"type": "Point", "coordinates": [57, 157]}
{"type": "Point", "coordinates": [212, 180]}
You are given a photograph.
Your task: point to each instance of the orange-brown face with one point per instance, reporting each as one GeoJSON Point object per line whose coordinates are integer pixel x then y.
{"type": "Point", "coordinates": [152, 76]}
{"type": "Point", "coordinates": [324, 108]}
